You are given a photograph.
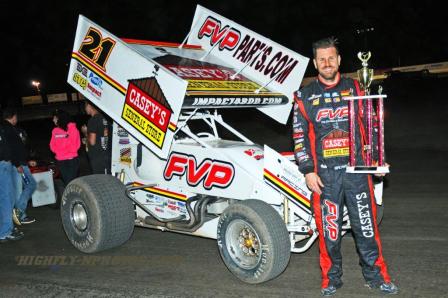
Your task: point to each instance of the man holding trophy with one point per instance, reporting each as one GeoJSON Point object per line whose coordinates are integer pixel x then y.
{"type": "Point", "coordinates": [337, 150]}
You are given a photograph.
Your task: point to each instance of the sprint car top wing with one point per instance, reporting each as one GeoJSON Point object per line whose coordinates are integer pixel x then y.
{"type": "Point", "coordinates": [250, 54]}
{"type": "Point", "coordinates": [144, 86]}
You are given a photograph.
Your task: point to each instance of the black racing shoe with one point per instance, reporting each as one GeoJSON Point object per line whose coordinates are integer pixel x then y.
{"type": "Point", "coordinates": [331, 289]}
{"type": "Point", "coordinates": [27, 220]}
{"type": "Point", "coordinates": [14, 236]}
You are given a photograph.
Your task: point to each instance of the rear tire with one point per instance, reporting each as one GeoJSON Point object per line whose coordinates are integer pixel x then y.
{"type": "Point", "coordinates": [253, 241]}
{"type": "Point", "coordinates": [96, 214]}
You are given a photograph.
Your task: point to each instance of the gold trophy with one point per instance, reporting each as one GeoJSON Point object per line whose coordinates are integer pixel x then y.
{"type": "Point", "coordinates": [365, 76]}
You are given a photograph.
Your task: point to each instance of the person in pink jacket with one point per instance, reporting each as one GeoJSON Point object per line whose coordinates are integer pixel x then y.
{"type": "Point", "coordinates": [65, 142]}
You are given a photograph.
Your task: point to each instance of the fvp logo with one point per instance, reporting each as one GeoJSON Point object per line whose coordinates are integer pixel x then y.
{"type": "Point", "coordinates": [331, 220]}
{"type": "Point", "coordinates": [212, 173]}
{"type": "Point", "coordinates": [227, 37]}
{"type": "Point", "coordinates": [330, 114]}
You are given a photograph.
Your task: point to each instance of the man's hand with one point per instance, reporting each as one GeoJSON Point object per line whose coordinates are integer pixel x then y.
{"type": "Point", "coordinates": [314, 183]}
{"type": "Point", "coordinates": [381, 174]}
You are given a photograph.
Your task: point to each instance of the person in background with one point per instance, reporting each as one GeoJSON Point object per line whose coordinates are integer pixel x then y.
{"type": "Point", "coordinates": [24, 182]}
{"type": "Point", "coordinates": [99, 147]}
{"type": "Point", "coordinates": [7, 230]}
{"type": "Point", "coordinates": [65, 142]}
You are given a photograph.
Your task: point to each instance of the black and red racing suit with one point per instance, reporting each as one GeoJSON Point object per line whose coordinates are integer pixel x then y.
{"type": "Point", "coordinates": [321, 140]}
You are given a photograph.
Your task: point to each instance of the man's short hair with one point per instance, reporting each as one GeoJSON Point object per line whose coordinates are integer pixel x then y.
{"type": "Point", "coordinates": [8, 113]}
{"type": "Point", "coordinates": [325, 43]}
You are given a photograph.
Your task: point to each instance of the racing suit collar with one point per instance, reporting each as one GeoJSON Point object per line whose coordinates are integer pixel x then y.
{"type": "Point", "coordinates": [326, 86]}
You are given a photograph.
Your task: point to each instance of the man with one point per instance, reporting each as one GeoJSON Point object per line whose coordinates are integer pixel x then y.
{"type": "Point", "coordinates": [7, 230]}
{"type": "Point", "coordinates": [99, 147]}
{"type": "Point", "coordinates": [321, 140]}
{"type": "Point", "coordinates": [25, 184]}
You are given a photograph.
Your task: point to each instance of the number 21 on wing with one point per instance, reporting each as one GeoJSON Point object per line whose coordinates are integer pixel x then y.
{"type": "Point", "coordinates": [96, 48]}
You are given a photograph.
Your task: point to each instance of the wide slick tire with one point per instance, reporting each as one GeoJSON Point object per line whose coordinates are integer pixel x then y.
{"type": "Point", "coordinates": [96, 214]}
{"type": "Point", "coordinates": [253, 241]}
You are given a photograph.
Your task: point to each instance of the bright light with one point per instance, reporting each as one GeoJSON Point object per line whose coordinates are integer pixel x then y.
{"type": "Point", "coordinates": [36, 84]}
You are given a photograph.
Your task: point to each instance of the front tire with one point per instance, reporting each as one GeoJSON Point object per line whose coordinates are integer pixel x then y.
{"type": "Point", "coordinates": [253, 241]}
{"type": "Point", "coordinates": [96, 214]}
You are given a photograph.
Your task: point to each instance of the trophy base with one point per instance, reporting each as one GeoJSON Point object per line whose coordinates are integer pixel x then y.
{"type": "Point", "coordinates": [368, 169]}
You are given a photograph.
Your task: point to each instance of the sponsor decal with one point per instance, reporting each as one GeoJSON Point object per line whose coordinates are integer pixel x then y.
{"type": "Point", "coordinates": [288, 188]}
{"type": "Point", "coordinates": [331, 114]}
{"type": "Point", "coordinates": [163, 192]}
{"type": "Point", "coordinates": [331, 220]}
{"type": "Point", "coordinates": [204, 85]}
{"type": "Point", "coordinates": [297, 135]}
{"type": "Point", "coordinates": [334, 94]}
{"type": "Point", "coordinates": [327, 94]}
{"type": "Point", "coordinates": [80, 80]}
{"type": "Point", "coordinates": [226, 38]}
{"type": "Point", "coordinates": [298, 146]}
{"type": "Point", "coordinates": [336, 99]}
{"type": "Point", "coordinates": [155, 200]}
{"type": "Point", "coordinates": [94, 68]}
{"type": "Point", "coordinates": [147, 109]}
{"type": "Point", "coordinates": [316, 102]}
{"type": "Point", "coordinates": [81, 69]}
{"type": "Point", "coordinates": [234, 101]}
{"type": "Point", "coordinates": [255, 153]}
{"type": "Point", "coordinates": [365, 217]}
{"type": "Point", "coordinates": [121, 132]}
{"type": "Point", "coordinates": [123, 141]}
{"type": "Point", "coordinates": [203, 73]}
{"type": "Point", "coordinates": [159, 210]}
{"type": "Point", "coordinates": [212, 173]}
{"type": "Point", "coordinates": [314, 96]}
{"type": "Point", "coordinates": [336, 144]}
{"type": "Point", "coordinates": [346, 93]}
{"type": "Point", "coordinates": [125, 155]}
{"type": "Point", "coordinates": [248, 50]}
{"type": "Point", "coordinates": [95, 80]}
{"type": "Point", "coordinates": [327, 100]}
{"type": "Point", "coordinates": [94, 91]}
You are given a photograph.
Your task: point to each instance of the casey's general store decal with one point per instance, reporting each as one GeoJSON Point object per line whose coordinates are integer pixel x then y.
{"type": "Point", "coordinates": [336, 144]}
{"type": "Point", "coordinates": [147, 109]}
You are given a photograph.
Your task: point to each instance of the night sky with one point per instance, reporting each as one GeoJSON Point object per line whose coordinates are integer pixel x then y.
{"type": "Point", "coordinates": [37, 36]}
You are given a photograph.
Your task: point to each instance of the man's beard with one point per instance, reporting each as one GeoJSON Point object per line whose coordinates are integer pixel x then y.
{"type": "Point", "coordinates": [327, 76]}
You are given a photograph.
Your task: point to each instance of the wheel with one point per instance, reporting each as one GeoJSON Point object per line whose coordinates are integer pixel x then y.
{"type": "Point", "coordinates": [58, 191]}
{"type": "Point", "coordinates": [253, 241]}
{"type": "Point", "coordinates": [96, 214]}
